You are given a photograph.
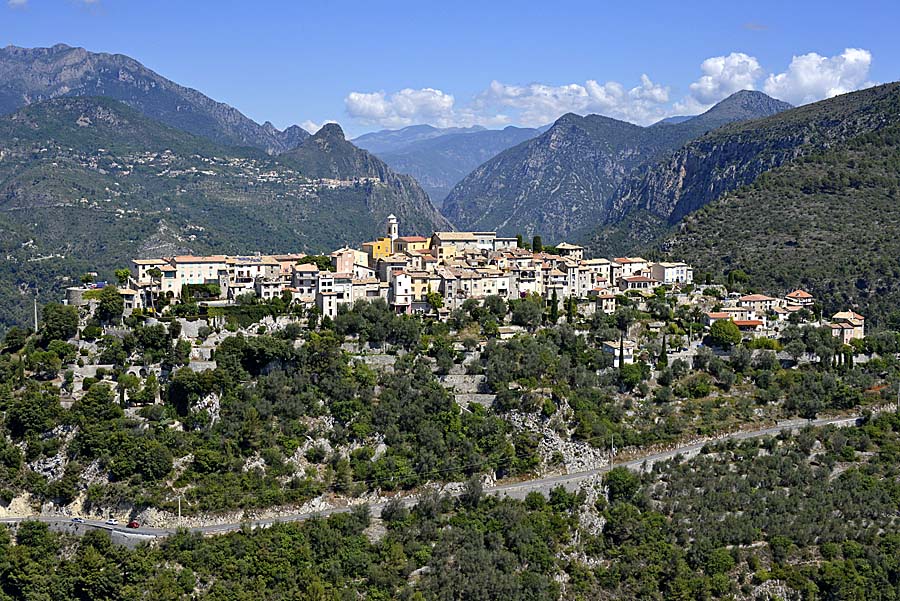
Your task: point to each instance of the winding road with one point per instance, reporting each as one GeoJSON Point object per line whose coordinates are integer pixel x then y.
{"type": "Point", "coordinates": [516, 490]}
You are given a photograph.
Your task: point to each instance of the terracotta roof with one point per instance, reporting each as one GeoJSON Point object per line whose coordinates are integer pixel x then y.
{"type": "Point", "coordinates": [756, 297]}
{"type": "Point", "coordinates": [628, 260]}
{"type": "Point", "coordinates": [748, 323]}
{"type": "Point", "coordinates": [567, 246]}
{"type": "Point", "coordinates": [718, 315]}
{"type": "Point", "coordinates": [413, 238]}
{"type": "Point", "coordinates": [847, 315]}
{"type": "Point", "coordinates": [306, 267]}
{"type": "Point", "coordinates": [800, 294]}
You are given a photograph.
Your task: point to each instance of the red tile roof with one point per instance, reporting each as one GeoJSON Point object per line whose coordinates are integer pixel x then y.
{"type": "Point", "coordinates": [748, 323]}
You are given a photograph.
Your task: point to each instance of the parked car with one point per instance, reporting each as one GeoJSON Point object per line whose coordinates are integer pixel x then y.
{"type": "Point", "coordinates": [112, 522]}
{"type": "Point", "coordinates": [133, 524]}
{"type": "Point", "coordinates": [78, 520]}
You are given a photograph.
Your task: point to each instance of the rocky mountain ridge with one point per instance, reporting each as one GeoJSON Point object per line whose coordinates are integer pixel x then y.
{"type": "Point", "coordinates": [560, 183]}
{"type": "Point", "coordinates": [737, 154]}
{"type": "Point", "coordinates": [29, 75]}
{"type": "Point", "coordinates": [86, 184]}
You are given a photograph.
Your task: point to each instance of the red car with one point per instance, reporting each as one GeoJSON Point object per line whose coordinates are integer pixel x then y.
{"type": "Point", "coordinates": [133, 524]}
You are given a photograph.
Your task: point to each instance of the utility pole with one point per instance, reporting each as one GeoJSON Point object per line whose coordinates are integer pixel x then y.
{"type": "Point", "coordinates": [35, 310]}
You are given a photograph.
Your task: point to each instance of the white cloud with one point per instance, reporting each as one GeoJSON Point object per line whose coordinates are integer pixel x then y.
{"type": "Point", "coordinates": [500, 104]}
{"type": "Point", "coordinates": [809, 77]}
{"type": "Point", "coordinates": [406, 107]}
{"type": "Point", "coordinates": [722, 76]}
{"type": "Point", "coordinates": [538, 104]}
{"type": "Point", "coordinates": [812, 77]}
{"type": "Point", "coordinates": [17, 3]}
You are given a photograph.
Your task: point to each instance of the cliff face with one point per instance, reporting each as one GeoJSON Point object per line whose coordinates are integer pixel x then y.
{"type": "Point", "coordinates": [327, 154]}
{"type": "Point", "coordinates": [551, 184]}
{"type": "Point", "coordinates": [697, 175]}
{"type": "Point", "coordinates": [29, 75]}
{"type": "Point", "coordinates": [563, 183]}
{"type": "Point", "coordinates": [735, 155]}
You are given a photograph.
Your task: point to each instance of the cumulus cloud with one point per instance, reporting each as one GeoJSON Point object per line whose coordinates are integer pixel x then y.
{"type": "Point", "coordinates": [725, 75]}
{"type": "Point", "coordinates": [406, 107]}
{"type": "Point", "coordinates": [809, 77]}
{"type": "Point", "coordinates": [538, 104]}
{"type": "Point", "coordinates": [17, 3]}
{"type": "Point", "coordinates": [501, 103]}
{"type": "Point", "coordinates": [812, 77]}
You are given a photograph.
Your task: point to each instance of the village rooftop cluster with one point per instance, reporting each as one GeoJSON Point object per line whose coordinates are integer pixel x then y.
{"type": "Point", "coordinates": [408, 271]}
{"type": "Point", "coordinates": [405, 270]}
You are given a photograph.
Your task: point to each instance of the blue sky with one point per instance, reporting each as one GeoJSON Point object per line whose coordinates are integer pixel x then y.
{"type": "Point", "coordinates": [370, 65]}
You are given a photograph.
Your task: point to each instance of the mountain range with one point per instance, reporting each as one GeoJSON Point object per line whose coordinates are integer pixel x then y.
{"type": "Point", "coordinates": [651, 202]}
{"type": "Point", "coordinates": [149, 167]}
{"type": "Point", "coordinates": [89, 183]}
{"type": "Point", "coordinates": [561, 183]}
{"type": "Point", "coordinates": [440, 158]}
{"type": "Point", "coordinates": [29, 75]}
{"type": "Point", "coordinates": [823, 215]}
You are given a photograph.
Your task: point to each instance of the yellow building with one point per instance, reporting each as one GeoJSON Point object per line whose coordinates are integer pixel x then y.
{"type": "Point", "coordinates": [378, 249]}
{"type": "Point", "coordinates": [407, 243]}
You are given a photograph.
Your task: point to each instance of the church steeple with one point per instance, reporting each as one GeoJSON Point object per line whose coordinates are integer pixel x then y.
{"type": "Point", "coordinates": [393, 228]}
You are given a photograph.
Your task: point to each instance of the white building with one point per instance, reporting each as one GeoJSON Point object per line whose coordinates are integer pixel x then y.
{"type": "Point", "coordinates": [672, 273]}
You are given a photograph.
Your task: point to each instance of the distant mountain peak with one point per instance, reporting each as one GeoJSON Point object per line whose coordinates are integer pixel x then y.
{"type": "Point", "coordinates": [29, 75]}
{"type": "Point", "coordinates": [747, 104]}
{"type": "Point", "coordinates": [331, 131]}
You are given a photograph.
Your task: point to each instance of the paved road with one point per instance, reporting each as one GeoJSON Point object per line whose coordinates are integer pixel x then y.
{"type": "Point", "coordinates": [516, 490]}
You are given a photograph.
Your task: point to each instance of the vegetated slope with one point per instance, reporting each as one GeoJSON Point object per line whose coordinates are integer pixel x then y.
{"type": "Point", "coordinates": [712, 527]}
{"type": "Point", "coordinates": [439, 163]}
{"type": "Point", "coordinates": [827, 222]}
{"type": "Point", "coordinates": [650, 201]}
{"type": "Point", "coordinates": [559, 184]}
{"type": "Point", "coordinates": [29, 75]}
{"type": "Point", "coordinates": [327, 154]}
{"type": "Point", "coordinates": [736, 154]}
{"type": "Point", "coordinates": [90, 183]}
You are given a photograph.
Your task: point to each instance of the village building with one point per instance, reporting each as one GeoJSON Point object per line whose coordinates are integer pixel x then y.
{"type": "Point", "coordinates": [641, 283]}
{"type": "Point", "coordinates": [628, 348]}
{"type": "Point", "coordinates": [571, 251]}
{"type": "Point", "coordinates": [848, 326]}
{"type": "Point", "coordinates": [672, 273]}
{"type": "Point", "coordinates": [403, 270]}
{"type": "Point", "coordinates": [800, 298]}
{"type": "Point", "coordinates": [758, 302]}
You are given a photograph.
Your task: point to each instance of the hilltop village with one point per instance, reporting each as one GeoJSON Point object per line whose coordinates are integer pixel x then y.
{"type": "Point", "coordinates": [438, 274]}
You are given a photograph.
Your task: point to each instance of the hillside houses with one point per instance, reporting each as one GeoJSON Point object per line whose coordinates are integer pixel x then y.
{"type": "Point", "coordinates": [405, 270]}
{"type": "Point", "coordinates": [756, 314]}
{"type": "Point", "coordinates": [408, 271]}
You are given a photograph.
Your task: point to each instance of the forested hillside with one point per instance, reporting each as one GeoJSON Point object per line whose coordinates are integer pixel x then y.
{"type": "Point", "coordinates": [804, 516]}
{"type": "Point", "coordinates": [827, 222]}
{"type": "Point", "coordinates": [88, 184]}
